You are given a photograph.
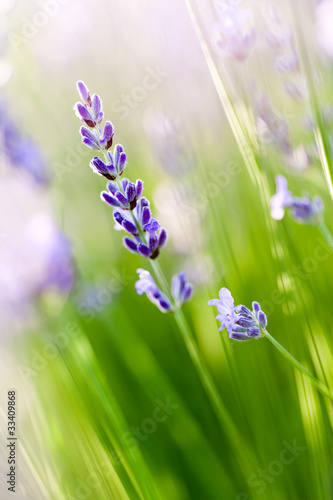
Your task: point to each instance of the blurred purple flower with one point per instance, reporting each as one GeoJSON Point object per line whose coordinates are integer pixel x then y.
{"type": "Point", "coordinates": [303, 210]}
{"type": "Point", "coordinates": [20, 152]}
{"type": "Point", "coordinates": [234, 35]}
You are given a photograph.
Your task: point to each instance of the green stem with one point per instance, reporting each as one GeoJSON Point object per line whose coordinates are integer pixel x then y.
{"type": "Point", "coordinates": [245, 459]}
{"type": "Point", "coordinates": [326, 233]}
{"type": "Point", "coordinates": [319, 385]}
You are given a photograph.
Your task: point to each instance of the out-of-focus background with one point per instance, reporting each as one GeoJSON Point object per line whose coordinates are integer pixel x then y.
{"type": "Point", "coordinates": [93, 363]}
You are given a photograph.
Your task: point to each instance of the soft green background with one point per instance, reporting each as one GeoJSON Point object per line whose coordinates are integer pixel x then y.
{"type": "Point", "coordinates": [126, 354]}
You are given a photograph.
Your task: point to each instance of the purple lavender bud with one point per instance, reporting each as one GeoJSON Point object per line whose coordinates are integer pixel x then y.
{"type": "Point", "coordinates": [122, 162]}
{"type": "Point", "coordinates": [139, 188]}
{"type": "Point", "coordinates": [112, 187]}
{"type": "Point", "coordinates": [245, 322]}
{"type": "Point", "coordinates": [130, 245]}
{"type": "Point", "coordinates": [84, 92]}
{"type": "Point", "coordinates": [238, 329]}
{"type": "Point", "coordinates": [244, 311]}
{"type": "Point", "coordinates": [109, 199]}
{"type": "Point", "coordinates": [256, 308]}
{"type": "Point", "coordinates": [96, 106]}
{"type": "Point", "coordinates": [254, 332]}
{"type": "Point", "coordinates": [108, 134]}
{"type": "Point", "coordinates": [163, 238]}
{"type": "Point", "coordinates": [165, 305]}
{"type": "Point", "coordinates": [129, 227]}
{"type": "Point", "coordinates": [144, 250]}
{"type": "Point", "coordinates": [85, 133]}
{"type": "Point", "coordinates": [84, 115]}
{"type": "Point", "coordinates": [187, 293]}
{"type": "Point", "coordinates": [238, 336]}
{"type": "Point", "coordinates": [152, 226]}
{"type": "Point", "coordinates": [144, 202]}
{"type": "Point", "coordinates": [178, 284]}
{"type": "Point", "coordinates": [122, 199]}
{"type": "Point", "coordinates": [90, 144]}
{"type": "Point", "coordinates": [118, 218]}
{"type": "Point", "coordinates": [145, 218]}
{"type": "Point", "coordinates": [98, 166]}
{"type": "Point", "coordinates": [130, 191]}
{"type": "Point", "coordinates": [118, 149]}
{"type": "Point", "coordinates": [153, 242]}
{"type": "Point", "coordinates": [262, 319]}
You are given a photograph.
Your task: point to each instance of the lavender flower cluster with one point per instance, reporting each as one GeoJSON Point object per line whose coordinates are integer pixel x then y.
{"type": "Point", "coordinates": [241, 323]}
{"type": "Point", "coordinates": [131, 210]}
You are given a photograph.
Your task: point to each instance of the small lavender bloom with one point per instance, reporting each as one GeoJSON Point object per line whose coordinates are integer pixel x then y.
{"type": "Point", "coordinates": [147, 285]}
{"type": "Point", "coordinates": [126, 199]}
{"type": "Point", "coordinates": [303, 210]}
{"type": "Point", "coordinates": [241, 323]}
{"type": "Point", "coordinates": [181, 289]}
{"type": "Point", "coordinates": [226, 309]}
{"type": "Point", "coordinates": [283, 198]}
{"type": "Point", "coordinates": [233, 36]}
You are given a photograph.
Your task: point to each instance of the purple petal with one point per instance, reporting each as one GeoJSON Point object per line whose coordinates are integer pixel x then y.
{"type": "Point", "coordinates": [122, 162]}
{"type": "Point", "coordinates": [152, 226]}
{"type": "Point", "coordinates": [98, 166]}
{"type": "Point", "coordinates": [118, 218]}
{"type": "Point", "coordinates": [139, 188]}
{"type": "Point", "coordinates": [122, 199]}
{"type": "Point", "coordinates": [83, 91]}
{"type": "Point", "coordinates": [109, 199]}
{"type": "Point", "coordinates": [129, 227]}
{"type": "Point", "coordinates": [130, 245]}
{"type": "Point", "coordinates": [92, 145]}
{"type": "Point", "coordinates": [187, 293]}
{"type": "Point", "coordinates": [118, 149]}
{"type": "Point", "coordinates": [163, 238]}
{"type": "Point", "coordinates": [112, 187]}
{"type": "Point", "coordinates": [130, 191]}
{"type": "Point", "coordinates": [144, 250]}
{"type": "Point", "coordinates": [96, 106]}
{"type": "Point", "coordinates": [84, 115]}
{"type": "Point", "coordinates": [145, 215]}
{"type": "Point", "coordinates": [262, 319]}
{"type": "Point", "coordinates": [153, 242]}
{"type": "Point", "coordinates": [254, 331]}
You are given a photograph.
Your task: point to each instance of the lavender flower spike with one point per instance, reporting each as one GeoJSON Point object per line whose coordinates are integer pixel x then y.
{"type": "Point", "coordinates": [147, 285]}
{"type": "Point", "coordinates": [241, 323]}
